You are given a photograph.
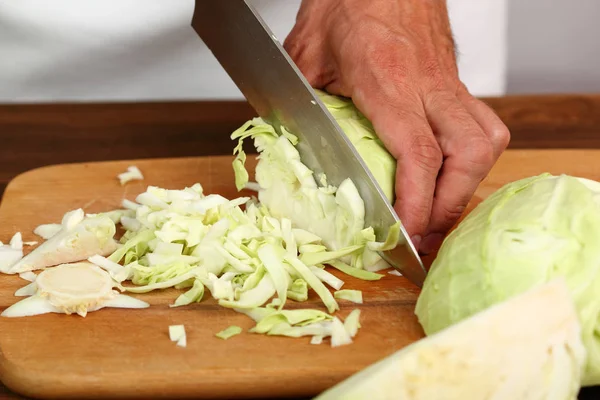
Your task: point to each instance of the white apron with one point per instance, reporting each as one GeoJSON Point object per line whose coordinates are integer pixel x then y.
{"type": "Point", "coordinates": [126, 50]}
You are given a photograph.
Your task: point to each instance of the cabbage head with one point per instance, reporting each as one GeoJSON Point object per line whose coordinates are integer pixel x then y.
{"type": "Point", "coordinates": [525, 234]}
{"type": "Point", "coordinates": [361, 133]}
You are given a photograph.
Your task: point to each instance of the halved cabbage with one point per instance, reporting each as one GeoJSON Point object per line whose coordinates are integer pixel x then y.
{"type": "Point", "coordinates": [526, 347]}
{"type": "Point", "coordinates": [526, 233]}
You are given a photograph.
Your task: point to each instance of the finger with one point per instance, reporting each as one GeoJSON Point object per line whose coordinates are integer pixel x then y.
{"type": "Point", "coordinates": [337, 87]}
{"type": "Point", "coordinates": [491, 124]}
{"type": "Point", "coordinates": [404, 131]}
{"type": "Point", "coordinates": [469, 157]}
{"type": "Point", "coordinates": [419, 160]}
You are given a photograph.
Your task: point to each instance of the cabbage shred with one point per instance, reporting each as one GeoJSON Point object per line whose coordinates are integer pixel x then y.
{"type": "Point", "coordinates": [237, 252]}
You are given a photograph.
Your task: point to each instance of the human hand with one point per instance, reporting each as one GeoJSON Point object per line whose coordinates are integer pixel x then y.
{"type": "Point", "coordinates": [396, 60]}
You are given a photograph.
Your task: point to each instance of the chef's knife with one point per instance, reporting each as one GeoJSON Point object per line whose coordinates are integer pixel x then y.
{"type": "Point", "coordinates": [273, 85]}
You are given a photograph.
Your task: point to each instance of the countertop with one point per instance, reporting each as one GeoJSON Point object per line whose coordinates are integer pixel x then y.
{"type": "Point", "coordinates": [35, 135]}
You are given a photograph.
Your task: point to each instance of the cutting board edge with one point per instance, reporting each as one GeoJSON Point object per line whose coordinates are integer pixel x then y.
{"type": "Point", "coordinates": [25, 175]}
{"type": "Point", "coordinates": [18, 378]}
{"type": "Point", "coordinates": [22, 371]}
{"type": "Point", "coordinates": [35, 171]}
{"type": "Point", "coordinates": [204, 385]}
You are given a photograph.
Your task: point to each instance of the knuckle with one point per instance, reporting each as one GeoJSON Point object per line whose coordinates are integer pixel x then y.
{"type": "Point", "coordinates": [426, 151]}
{"type": "Point", "coordinates": [449, 215]}
{"type": "Point", "coordinates": [461, 90]}
{"type": "Point", "coordinates": [414, 214]}
{"type": "Point", "coordinates": [293, 43]}
{"type": "Point", "coordinates": [500, 136]}
{"type": "Point", "coordinates": [479, 155]}
{"type": "Point", "coordinates": [499, 133]}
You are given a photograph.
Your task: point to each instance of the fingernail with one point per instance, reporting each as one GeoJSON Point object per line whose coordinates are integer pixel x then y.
{"type": "Point", "coordinates": [431, 242]}
{"type": "Point", "coordinates": [416, 239]}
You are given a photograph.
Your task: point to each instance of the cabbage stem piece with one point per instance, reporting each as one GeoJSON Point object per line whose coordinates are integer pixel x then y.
{"type": "Point", "coordinates": [177, 334]}
{"type": "Point", "coordinates": [28, 290]}
{"type": "Point", "coordinates": [28, 276]}
{"type": "Point", "coordinates": [77, 240]}
{"type": "Point", "coordinates": [46, 231]}
{"type": "Point", "coordinates": [117, 271]}
{"type": "Point", "coordinates": [316, 339]}
{"type": "Point", "coordinates": [352, 322]}
{"type": "Point", "coordinates": [133, 173]}
{"type": "Point", "coordinates": [11, 253]}
{"type": "Point", "coordinates": [72, 289]}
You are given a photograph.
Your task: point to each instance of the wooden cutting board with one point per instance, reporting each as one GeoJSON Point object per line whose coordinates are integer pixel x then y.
{"type": "Point", "coordinates": [128, 354]}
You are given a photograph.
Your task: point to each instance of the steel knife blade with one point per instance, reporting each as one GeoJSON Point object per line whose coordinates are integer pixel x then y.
{"type": "Point", "coordinates": [273, 85]}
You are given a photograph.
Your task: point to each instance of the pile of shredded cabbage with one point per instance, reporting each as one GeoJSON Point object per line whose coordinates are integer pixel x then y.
{"type": "Point", "coordinates": [247, 259]}
{"type": "Point", "coordinates": [288, 189]}
{"type": "Point", "coordinates": [253, 255]}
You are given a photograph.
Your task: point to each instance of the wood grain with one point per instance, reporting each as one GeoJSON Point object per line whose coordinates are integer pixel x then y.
{"type": "Point", "coordinates": [550, 121]}
{"type": "Point", "coordinates": [127, 352]}
{"type": "Point", "coordinates": [34, 135]}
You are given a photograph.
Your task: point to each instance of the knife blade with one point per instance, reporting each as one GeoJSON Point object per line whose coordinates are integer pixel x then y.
{"type": "Point", "coordinates": [273, 85]}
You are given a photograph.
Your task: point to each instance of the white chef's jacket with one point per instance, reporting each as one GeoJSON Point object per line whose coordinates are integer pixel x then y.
{"type": "Point", "coordinates": [127, 50]}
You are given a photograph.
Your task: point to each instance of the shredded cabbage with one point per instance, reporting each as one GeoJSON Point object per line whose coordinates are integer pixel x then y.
{"type": "Point", "coordinates": [192, 295]}
{"type": "Point", "coordinates": [352, 322]}
{"type": "Point", "coordinates": [11, 253]}
{"type": "Point", "coordinates": [242, 256]}
{"type": "Point", "coordinates": [133, 173]}
{"type": "Point", "coordinates": [354, 296]}
{"type": "Point", "coordinates": [177, 334]}
{"type": "Point", "coordinates": [229, 332]}
{"type": "Point", "coordinates": [289, 190]}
